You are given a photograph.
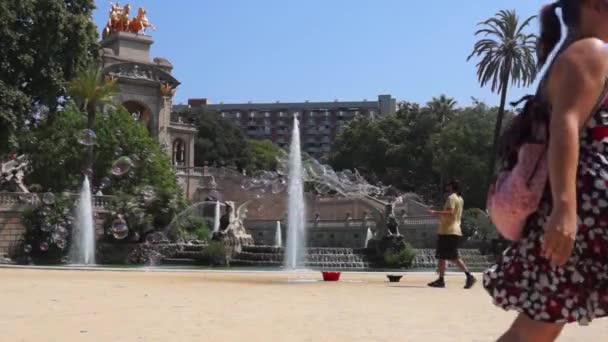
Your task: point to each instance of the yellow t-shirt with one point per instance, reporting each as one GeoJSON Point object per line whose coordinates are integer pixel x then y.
{"type": "Point", "coordinates": [450, 225]}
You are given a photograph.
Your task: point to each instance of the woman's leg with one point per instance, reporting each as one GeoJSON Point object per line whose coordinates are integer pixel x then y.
{"type": "Point", "coordinates": [525, 329]}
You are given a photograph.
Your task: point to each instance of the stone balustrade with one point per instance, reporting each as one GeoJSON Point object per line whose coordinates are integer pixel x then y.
{"type": "Point", "coordinates": [12, 200]}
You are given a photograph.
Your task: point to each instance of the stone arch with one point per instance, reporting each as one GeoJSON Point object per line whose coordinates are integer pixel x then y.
{"type": "Point", "coordinates": [178, 152]}
{"type": "Point", "coordinates": [139, 112]}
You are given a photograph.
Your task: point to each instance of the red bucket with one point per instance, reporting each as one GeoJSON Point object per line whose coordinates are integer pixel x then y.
{"type": "Point", "coordinates": [331, 276]}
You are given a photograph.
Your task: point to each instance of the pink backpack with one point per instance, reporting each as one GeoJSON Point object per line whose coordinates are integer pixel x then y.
{"type": "Point", "coordinates": [520, 184]}
{"type": "Point", "coordinates": [516, 193]}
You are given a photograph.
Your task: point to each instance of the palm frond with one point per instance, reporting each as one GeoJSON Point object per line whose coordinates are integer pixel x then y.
{"type": "Point", "coordinates": [505, 47]}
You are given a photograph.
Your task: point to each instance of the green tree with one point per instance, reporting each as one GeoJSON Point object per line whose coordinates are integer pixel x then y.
{"type": "Point", "coordinates": [57, 166]}
{"type": "Point", "coordinates": [91, 91]}
{"type": "Point", "coordinates": [413, 151]}
{"type": "Point", "coordinates": [219, 141]}
{"type": "Point", "coordinates": [507, 55]}
{"type": "Point", "coordinates": [443, 107]}
{"type": "Point", "coordinates": [43, 44]}
{"type": "Point", "coordinates": [461, 150]}
{"type": "Point", "coordinates": [263, 155]}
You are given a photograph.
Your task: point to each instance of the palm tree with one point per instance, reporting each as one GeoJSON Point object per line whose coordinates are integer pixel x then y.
{"type": "Point", "coordinates": [507, 57]}
{"type": "Point", "coordinates": [91, 90]}
{"type": "Point", "coordinates": [443, 107]}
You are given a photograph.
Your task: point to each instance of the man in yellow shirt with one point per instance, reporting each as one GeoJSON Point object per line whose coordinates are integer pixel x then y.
{"type": "Point", "coordinates": [449, 236]}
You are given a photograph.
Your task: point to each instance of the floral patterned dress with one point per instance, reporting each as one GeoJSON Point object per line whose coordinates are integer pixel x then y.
{"type": "Point", "coordinates": [523, 280]}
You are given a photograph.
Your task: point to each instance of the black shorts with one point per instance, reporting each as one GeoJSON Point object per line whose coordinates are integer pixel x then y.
{"type": "Point", "coordinates": [447, 247]}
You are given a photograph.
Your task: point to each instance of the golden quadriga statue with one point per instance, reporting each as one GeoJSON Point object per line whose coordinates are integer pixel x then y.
{"type": "Point", "coordinates": [119, 20]}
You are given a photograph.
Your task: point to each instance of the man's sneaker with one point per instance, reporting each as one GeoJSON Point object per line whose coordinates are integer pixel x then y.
{"type": "Point", "coordinates": [437, 283]}
{"type": "Point", "coordinates": [470, 282]}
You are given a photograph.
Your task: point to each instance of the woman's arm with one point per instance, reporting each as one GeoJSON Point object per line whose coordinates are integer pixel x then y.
{"type": "Point", "coordinates": [574, 87]}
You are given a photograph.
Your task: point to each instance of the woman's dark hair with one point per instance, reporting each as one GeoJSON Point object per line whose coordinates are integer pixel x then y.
{"type": "Point", "coordinates": [524, 127]}
{"type": "Point", "coordinates": [551, 28]}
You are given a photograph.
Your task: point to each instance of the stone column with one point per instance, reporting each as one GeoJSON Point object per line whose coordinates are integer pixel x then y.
{"type": "Point", "coordinates": [164, 116]}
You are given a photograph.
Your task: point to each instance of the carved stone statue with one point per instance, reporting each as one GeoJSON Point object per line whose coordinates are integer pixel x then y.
{"type": "Point", "coordinates": [237, 217]}
{"type": "Point", "coordinates": [234, 235]}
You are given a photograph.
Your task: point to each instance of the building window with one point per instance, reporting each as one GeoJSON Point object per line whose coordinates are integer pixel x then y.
{"type": "Point", "coordinates": [267, 114]}
{"type": "Point", "coordinates": [252, 114]}
{"type": "Point", "coordinates": [179, 152]}
{"type": "Point", "coordinates": [223, 114]}
{"type": "Point", "coordinates": [280, 114]}
{"type": "Point", "coordinates": [237, 114]}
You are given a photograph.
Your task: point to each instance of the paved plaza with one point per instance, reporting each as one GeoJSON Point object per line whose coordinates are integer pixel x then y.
{"type": "Point", "coordinates": [66, 305]}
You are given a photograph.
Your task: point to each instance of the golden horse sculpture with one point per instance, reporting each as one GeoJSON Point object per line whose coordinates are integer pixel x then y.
{"type": "Point", "coordinates": [140, 23]}
{"type": "Point", "coordinates": [119, 20]}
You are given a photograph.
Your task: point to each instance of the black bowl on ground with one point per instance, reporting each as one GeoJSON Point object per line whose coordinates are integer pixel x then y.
{"type": "Point", "coordinates": [393, 278]}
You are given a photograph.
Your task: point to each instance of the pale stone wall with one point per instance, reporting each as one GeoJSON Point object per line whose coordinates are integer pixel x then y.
{"type": "Point", "coordinates": [11, 221]}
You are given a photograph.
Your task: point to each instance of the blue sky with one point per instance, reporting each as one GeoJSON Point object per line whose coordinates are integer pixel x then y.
{"type": "Point", "coordinates": [288, 50]}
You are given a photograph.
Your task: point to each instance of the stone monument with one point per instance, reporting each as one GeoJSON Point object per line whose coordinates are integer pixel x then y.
{"type": "Point", "coordinates": [146, 86]}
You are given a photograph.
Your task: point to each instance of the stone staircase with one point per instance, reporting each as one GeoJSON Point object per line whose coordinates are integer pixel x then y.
{"type": "Point", "coordinates": [316, 258]}
{"type": "Point", "coordinates": [425, 258]}
{"type": "Point", "coordinates": [322, 258]}
{"type": "Point", "coordinates": [189, 255]}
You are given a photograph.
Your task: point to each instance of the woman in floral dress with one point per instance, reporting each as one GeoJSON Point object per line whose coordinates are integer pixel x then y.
{"type": "Point", "coordinates": [558, 272]}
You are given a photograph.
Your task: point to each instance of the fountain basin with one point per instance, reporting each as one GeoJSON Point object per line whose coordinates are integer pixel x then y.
{"type": "Point", "coordinates": [331, 276]}
{"type": "Point", "coordinates": [394, 278]}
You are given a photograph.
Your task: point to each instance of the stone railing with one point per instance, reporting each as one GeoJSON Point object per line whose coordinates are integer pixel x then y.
{"type": "Point", "coordinates": [185, 170]}
{"type": "Point", "coordinates": [418, 220]}
{"type": "Point", "coordinates": [13, 199]}
{"type": "Point", "coordinates": [316, 223]}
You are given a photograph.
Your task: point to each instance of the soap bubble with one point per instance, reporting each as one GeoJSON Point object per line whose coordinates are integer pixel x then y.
{"type": "Point", "coordinates": [46, 227]}
{"type": "Point", "coordinates": [121, 166]}
{"type": "Point", "coordinates": [278, 186]}
{"type": "Point", "coordinates": [86, 137]}
{"type": "Point", "coordinates": [322, 188]}
{"type": "Point", "coordinates": [27, 248]}
{"type": "Point", "coordinates": [118, 151]}
{"type": "Point", "coordinates": [105, 183]}
{"type": "Point", "coordinates": [48, 198]}
{"type": "Point", "coordinates": [61, 231]}
{"type": "Point", "coordinates": [148, 194]}
{"type": "Point", "coordinates": [119, 229]}
{"type": "Point", "coordinates": [44, 246]}
{"type": "Point", "coordinates": [60, 243]}
{"type": "Point", "coordinates": [247, 184]}
{"type": "Point", "coordinates": [314, 168]}
{"type": "Point", "coordinates": [135, 237]}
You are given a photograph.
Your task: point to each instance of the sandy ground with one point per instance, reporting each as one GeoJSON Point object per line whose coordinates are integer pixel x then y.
{"type": "Point", "coordinates": [52, 305]}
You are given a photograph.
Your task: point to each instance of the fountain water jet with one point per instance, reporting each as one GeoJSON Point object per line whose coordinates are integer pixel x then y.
{"type": "Point", "coordinates": [278, 238]}
{"type": "Point", "coordinates": [369, 236]}
{"type": "Point", "coordinates": [83, 237]}
{"type": "Point", "coordinates": [216, 218]}
{"type": "Point", "coordinates": [296, 211]}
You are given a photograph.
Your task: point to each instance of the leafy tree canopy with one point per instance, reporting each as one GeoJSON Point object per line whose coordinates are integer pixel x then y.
{"type": "Point", "coordinates": [43, 44]}
{"type": "Point", "coordinates": [57, 157]}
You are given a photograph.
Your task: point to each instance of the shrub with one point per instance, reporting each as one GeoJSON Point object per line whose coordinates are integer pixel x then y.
{"type": "Point", "coordinates": [215, 252]}
{"type": "Point", "coordinates": [148, 211]}
{"type": "Point", "coordinates": [193, 227]}
{"type": "Point", "coordinates": [400, 258]}
{"type": "Point", "coordinates": [48, 230]}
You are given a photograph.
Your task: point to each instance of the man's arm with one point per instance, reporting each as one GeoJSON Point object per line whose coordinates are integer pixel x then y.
{"type": "Point", "coordinates": [448, 211]}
